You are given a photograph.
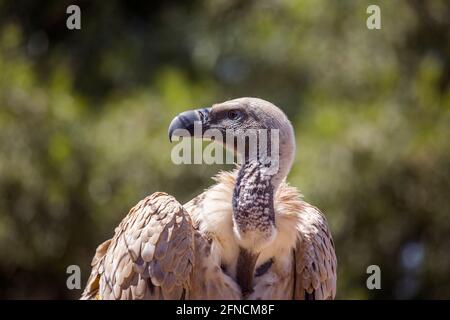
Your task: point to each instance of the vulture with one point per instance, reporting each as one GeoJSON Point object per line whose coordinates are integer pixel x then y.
{"type": "Point", "coordinates": [248, 236]}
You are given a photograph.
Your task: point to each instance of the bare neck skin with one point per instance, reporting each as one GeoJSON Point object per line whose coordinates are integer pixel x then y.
{"type": "Point", "coordinates": [253, 207]}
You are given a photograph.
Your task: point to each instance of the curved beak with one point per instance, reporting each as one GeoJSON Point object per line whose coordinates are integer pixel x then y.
{"type": "Point", "coordinates": [192, 123]}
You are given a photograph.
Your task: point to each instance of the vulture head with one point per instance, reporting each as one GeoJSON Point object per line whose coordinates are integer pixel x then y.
{"type": "Point", "coordinates": [263, 137]}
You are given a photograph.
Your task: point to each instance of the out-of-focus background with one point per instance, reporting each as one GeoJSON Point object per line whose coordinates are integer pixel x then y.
{"type": "Point", "coordinates": [84, 117]}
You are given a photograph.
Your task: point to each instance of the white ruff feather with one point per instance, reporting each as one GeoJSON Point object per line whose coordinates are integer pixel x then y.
{"type": "Point", "coordinates": [216, 219]}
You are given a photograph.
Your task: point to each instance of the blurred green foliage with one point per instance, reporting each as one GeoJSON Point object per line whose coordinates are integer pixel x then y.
{"type": "Point", "coordinates": [84, 116]}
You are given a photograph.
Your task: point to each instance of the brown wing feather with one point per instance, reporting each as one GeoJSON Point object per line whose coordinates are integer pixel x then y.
{"type": "Point", "coordinates": [151, 255]}
{"type": "Point", "coordinates": [315, 258]}
{"type": "Point", "coordinates": [209, 282]}
{"type": "Point", "coordinates": [91, 290]}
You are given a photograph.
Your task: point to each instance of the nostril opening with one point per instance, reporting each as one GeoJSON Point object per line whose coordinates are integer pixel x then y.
{"type": "Point", "coordinates": [204, 113]}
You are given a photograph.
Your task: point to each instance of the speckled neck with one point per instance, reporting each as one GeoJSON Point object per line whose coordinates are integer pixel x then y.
{"type": "Point", "coordinates": [253, 201]}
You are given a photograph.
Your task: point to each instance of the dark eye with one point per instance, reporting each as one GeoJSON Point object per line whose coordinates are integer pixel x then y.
{"type": "Point", "coordinates": [234, 114]}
